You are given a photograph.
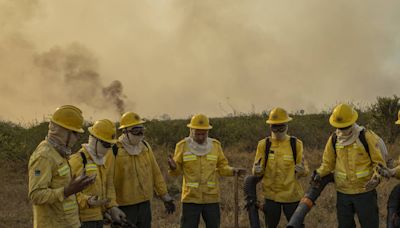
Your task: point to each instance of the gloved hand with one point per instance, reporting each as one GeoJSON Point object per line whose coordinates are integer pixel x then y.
{"type": "Point", "coordinates": [171, 163]}
{"type": "Point", "coordinates": [385, 171]}
{"type": "Point", "coordinates": [77, 184]}
{"type": "Point", "coordinates": [390, 163]}
{"type": "Point", "coordinates": [300, 169]}
{"type": "Point", "coordinates": [373, 182]}
{"type": "Point", "coordinates": [117, 215]}
{"type": "Point", "coordinates": [258, 169]}
{"type": "Point", "coordinates": [94, 201]}
{"type": "Point", "coordinates": [107, 217]}
{"type": "Point", "coordinates": [315, 178]}
{"type": "Point", "coordinates": [168, 203]}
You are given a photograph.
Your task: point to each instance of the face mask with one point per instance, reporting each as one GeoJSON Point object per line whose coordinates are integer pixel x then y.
{"type": "Point", "coordinates": [199, 136]}
{"type": "Point", "coordinates": [101, 150]}
{"type": "Point", "coordinates": [96, 150]}
{"type": "Point", "coordinates": [135, 139]}
{"type": "Point", "coordinates": [279, 132]}
{"type": "Point", "coordinates": [279, 135]}
{"type": "Point", "coordinates": [57, 136]}
{"type": "Point", "coordinates": [132, 149]}
{"type": "Point", "coordinates": [345, 132]}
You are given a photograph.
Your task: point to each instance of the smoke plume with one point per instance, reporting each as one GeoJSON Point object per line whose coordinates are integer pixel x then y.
{"type": "Point", "coordinates": [182, 57]}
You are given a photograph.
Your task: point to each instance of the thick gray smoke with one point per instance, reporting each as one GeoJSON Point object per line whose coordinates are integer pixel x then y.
{"type": "Point", "coordinates": [181, 57]}
{"type": "Point", "coordinates": [77, 70]}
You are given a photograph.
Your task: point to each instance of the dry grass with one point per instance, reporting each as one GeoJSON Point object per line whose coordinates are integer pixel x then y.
{"type": "Point", "coordinates": [15, 210]}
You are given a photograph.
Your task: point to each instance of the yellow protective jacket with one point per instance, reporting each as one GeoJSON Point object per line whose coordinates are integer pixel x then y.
{"type": "Point", "coordinates": [103, 186]}
{"type": "Point", "coordinates": [352, 166]}
{"type": "Point", "coordinates": [49, 173]}
{"type": "Point", "coordinates": [280, 182]}
{"type": "Point", "coordinates": [137, 176]}
{"type": "Point", "coordinates": [200, 173]}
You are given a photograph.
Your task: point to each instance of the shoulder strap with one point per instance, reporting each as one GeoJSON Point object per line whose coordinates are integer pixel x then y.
{"type": "Point", "coordinates": [115, 150]}
{"type": "Point", "coordinates": [363, 140]}
{"type": "Point", "coordinates": [146, 144]}
{"type": "Point", "coordinates": [293, 144]}
{"type": "Point", "coordinates": [267, 150]}
{"type": "Point", "coordinates": [334, 140]}
{"type": "Point", "coordinates": [84, 160]}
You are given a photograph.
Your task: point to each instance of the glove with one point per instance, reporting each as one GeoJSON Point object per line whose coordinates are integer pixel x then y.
{"type": "Point", "coordinates": [315, 178]}
{"type": "Point", "coordinates": [94, 201]}
{"type": "Point", "coordinates": [390, 163]}
{"type": "Point", "coordinates": [107, 218]}
{"type": "Point", "coordinates": [117, 215]}
{"type": "Point", "coordinates": [258, 169]}
{"type": "Point", "coordinates": [373, 182]}
{"type": "Point", "coordinates": [385, 172]}
{"type": "Point", "coordinates": [169, 206]}
{"type": "Point", "coordinates": [171, 163]}
{"type": "Point", "coordinates": [300, 169]}
{"type": "Point", "coordinates": [168, 203]}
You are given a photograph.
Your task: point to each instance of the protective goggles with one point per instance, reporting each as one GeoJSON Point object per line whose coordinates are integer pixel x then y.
{"type": "Point", "coordinates": [106, 144]}
{"type": "Point", "coordinates": [278, 127]}
{"type": "Point", "coordinates": [136, 131]}
{"type": "Point", "coordinates": [345, 128]}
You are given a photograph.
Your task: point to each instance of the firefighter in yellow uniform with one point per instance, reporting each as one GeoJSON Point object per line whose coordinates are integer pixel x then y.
{"type": "Point", "coordinates": [137, 174]}
{"type": "Point", "coordinates": [201, 161]}
{"type": "Point", "coordinates": [393, 204]}
{"type": "Point", "coordinates": [352, 153]}
{"type": "Point", "coordinates": [96, 158]}
{"type": "Point", "coordinates": [51, 186]}
{"type": "Point", "coordinates": [280, 161]}
{"type": "Point", "coordinates": [395, 172]}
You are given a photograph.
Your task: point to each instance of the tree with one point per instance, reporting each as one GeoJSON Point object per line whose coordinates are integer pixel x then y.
{"type": "Point", "coordinates": [384, 115]}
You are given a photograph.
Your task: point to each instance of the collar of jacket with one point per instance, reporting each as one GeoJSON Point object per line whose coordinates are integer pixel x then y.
{"type": "Point", "coordinates": [274, 139]}
{"type": "Point", "coordinates": [62, 150]}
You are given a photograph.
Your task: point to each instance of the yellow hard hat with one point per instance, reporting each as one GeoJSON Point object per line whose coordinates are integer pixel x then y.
{"type": "Point", "coordinates": [104, 130]}
{"type": "Point", "coordinates": [199, 121]}
{"type": "Point", "coordinates": [343, 116]}
{"type": "Point", "coordinates": [130, 119]}
{"type": "Point", "coordinates": [398, 118]}
{"type": "Point", "coordinates": [69, 117]}
{"type": "Point", "coordinates": [278, 116]}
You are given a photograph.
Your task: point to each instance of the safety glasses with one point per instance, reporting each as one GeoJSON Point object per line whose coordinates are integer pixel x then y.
{"type": "Point", "coordinates": [136, 131]}
{"type": "Point", "coordinates": [345, 128]}
{"type": "Point", "coordinates": [77, 134]}
{"type": "Point", "coordinates": [278, 127]}
{"type": "Point", "coordinates": [106, 144]}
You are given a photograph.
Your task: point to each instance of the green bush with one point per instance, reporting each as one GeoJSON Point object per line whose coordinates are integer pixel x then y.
{"type": "Point", "coordinates": [239, 132]}
{"type": "Point", "coordinates": [384, 115]}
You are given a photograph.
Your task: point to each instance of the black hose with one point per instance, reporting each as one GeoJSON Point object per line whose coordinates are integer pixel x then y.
{"type": "Point", "coordinates": [393, 207]}
{"type": "Point", "coordinates": [306, 203]}
{"type": "Point", "coordinates": [250, 192]}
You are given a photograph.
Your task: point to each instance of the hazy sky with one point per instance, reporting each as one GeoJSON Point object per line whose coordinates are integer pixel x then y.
{"type": "Point", "coordinates": [182, 57]}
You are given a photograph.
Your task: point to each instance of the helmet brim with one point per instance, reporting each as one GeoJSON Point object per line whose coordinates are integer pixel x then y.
{"type": "Point", "coordinates": [79, 130]}
{"type": "Point", "coordinates": [345, 124]}
{"type": "Point", "coordinates": [200, 128]}
{"type": "Point", "coordinates": [131, 125]}
{"type": "Point", "coordinates": [279, 121]}
{"type": "Point", "coordinates": [113, 141]}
